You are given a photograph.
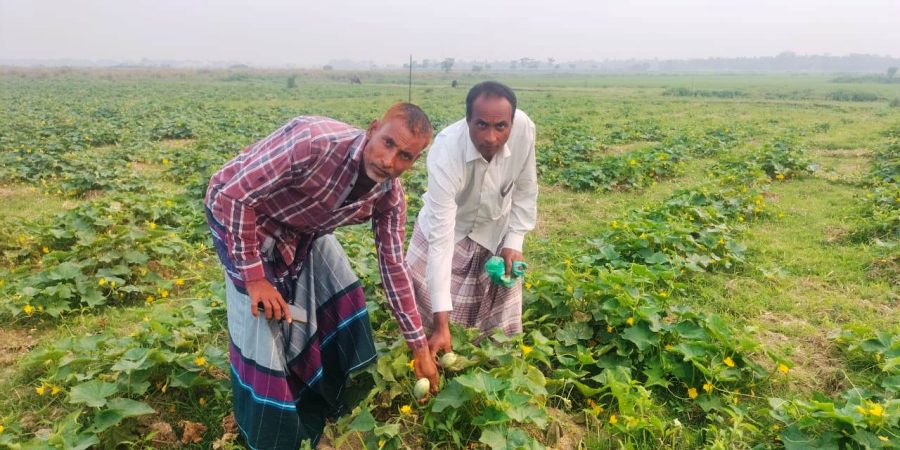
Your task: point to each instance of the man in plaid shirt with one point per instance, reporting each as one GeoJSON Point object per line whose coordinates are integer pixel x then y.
{"type": "Point", "coordinates": [296, 313]}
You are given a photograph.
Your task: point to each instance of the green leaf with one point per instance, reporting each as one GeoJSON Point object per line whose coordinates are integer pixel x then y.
{"type": "Point", "coordinates": [483, 383]}
{"type": "Point", "coordinates": [363, 421]}
{"type": "Point", "coordinates": [452, 396]}
{"type": "Point", "coordinates": [574, 332]}
{"type": "Point", "coordinates": [640, 335]}
{"type": "Point", "coordinates": [118, 410]}
{"type": "Point", "coordinates": [493, 439]}
{"type": "Point", "coordinates": [92, 393]}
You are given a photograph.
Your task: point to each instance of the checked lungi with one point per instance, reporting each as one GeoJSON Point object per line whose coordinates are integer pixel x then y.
{"type": "Point", "coordinates": [288, 379]}
{"type": "Point", "coordinates": [477, 303]}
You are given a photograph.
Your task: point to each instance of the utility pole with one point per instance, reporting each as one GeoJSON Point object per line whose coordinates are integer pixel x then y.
{"type": "Point", "coordinates": [409, 92]}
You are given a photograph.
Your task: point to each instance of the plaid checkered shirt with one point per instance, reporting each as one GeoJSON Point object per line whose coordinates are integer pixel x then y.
{"type": "Point", "coordinates": [295, 182]}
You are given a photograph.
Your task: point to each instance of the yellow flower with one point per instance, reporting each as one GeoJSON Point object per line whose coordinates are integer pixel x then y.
{"type": "Point", "coordinates": [783, 368]}
{"type": "Point", "coordinates": [381, 443]}
{"type": "Point", "coordinates": [200, 361]}
{"type": "Point", "coordinates": [663, 294]}
{"type": "Point", "coordinates": [28, 309]}
{"type": "Point", "coordinates": [55, 390]}
{"type": "Point", "coordinates": [406, 198]}
{"type": "Point", "coordinates": [525, 349]}
{"type": "Point", "coordinates": [728, 361]}
{"type": "Point", "coordinates": [2, 428]}
{"type": "Point", "coordinates": [45, 250]}
{"type": "Point", "coordinates": [881, 438]}
{"type": "Point", "coordinates": [179, 282]}
{"type": "Point", "coordinates": [152, 225]}
{"type": "Point", "coordinates": [740, 218]}
{"type": "Point", "coordinates": [708, 387]}
{"type": "Point", "coordinates": [609, 329]}
{"type": "Point", "coordinates": [876, 410]}
{"type": "Point", "coordinates": [862, 410]}
{"type": "Point", "coordinates": [632, 162]}
{"type": "Point", "coordinates": [166, 161]}
{"type": "Point", "coordinates": [149, 299]}
{"type": "Point", "coordinates": [780, 176]}
{"type": "Point", "coordinates": [527, 285]}
{"type": "Point", "coordinates": [406, 409]}
{"type": "Point", "coordinates": [669, 347]}
{"type": "Point", "coordinates": [411, 364]}
{"type": "Point", "coordinates": [630, 321]}
{"type": "Point", "coordinates": [40, 390]}
{"type": "Point", "coordinates": [570, 289]}
{"type": "Point", "coordinates": [164, 293]}
{"type": "Point", "coordinates": [202, 401]}
{"type": "Point", "coordinates": [692, 393]}
{"type": "Point", "coordinates": [613, 419]}
{"type": "Point", "coordinates": [101, 281]}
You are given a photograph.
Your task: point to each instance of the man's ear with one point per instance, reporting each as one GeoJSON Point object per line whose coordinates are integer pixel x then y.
{"type": "Point", "coordinates": [373, 126]}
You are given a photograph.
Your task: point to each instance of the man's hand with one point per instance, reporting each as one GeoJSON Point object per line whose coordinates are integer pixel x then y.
{"type": "Point", "coordinates": [440, 340]}
{"type": "Point", "coordinates": [425, 367]}
{"type": "Point", "coordinates": [510, 256]}
{"type": "Point", "coordinates": [262, 293]}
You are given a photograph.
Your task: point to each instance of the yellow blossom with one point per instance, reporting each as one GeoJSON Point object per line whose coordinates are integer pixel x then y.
{"type": "Point", "coordinates": [525, 349]}
{"type": "Point", "coordinates": [613, 419]}
{"type": "Point", "coordinates": [2, 428]}
{"type": "Point", "coordinates": [708, 387]}
{"type": "Point", "coordinates": [164, 293]}
{"type": "Point", "coordinates": [152, 225]}
{"type": "Point", "coordinates": [663, 294]}
{"type": "Point", "coordinates": [728, 361]}
{"type": "Point", "coordinates": [740, 218]}
{"type": "Point", "coordinates": [881, 438]}
{"type": "Point", "coordinates": [609, 329]}
{"type": "Point", "coordinates": [149, 299]}
{"type": "Point", "coordinates": [381, 443]}
{"type": "Point", "coordinates": [411, 364]}
{"type": "Point", "coordinates": [406, 409]}
{"type": "Point", "coordinates": [55, 390]}
{"type": "Point", "coordinates": [202, 401]}
{"type": "Point", "coordinates": [200, 361]}
{"type": "Point", "coordinates": [179, 282]}
{"type": "Point", "coordinates": [630, 321]}
{"type": "Point", "coordinates": [101, 281]}
{"type": "Point", "coordinates": [783, 368]}
{"type": "Point", "coordinates": [669, 347]}
{"type": "Point", "coordinates": [166, 161]}
{"type": "Point", "coordinates": [45, 250]}
{"type": "Point", "coordinates": [876, 410]}
{"type": "Point", "coordinates": [40, 390]}
{"type": "Point", "coordinates": [692, 393]}
{"type": "Point", "coordinates": [527, 285]}
{"type": "Point", "coordinates": [28, 309]}
{"type": "Point", "coordinates": [570, 289]}
{"type": "Point", "coordinates": [780, 176]}
{"type": "Point", "coordinates": [632, 162]}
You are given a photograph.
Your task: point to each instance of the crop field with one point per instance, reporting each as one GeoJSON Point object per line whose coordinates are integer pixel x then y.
{"type": "Point", "coordinates": [716, 263]}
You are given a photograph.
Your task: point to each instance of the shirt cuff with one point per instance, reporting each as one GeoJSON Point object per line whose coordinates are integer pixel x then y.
{"type": "Point", "coordinates": [416, 343]}
{"type": "Point", "coordinates": [514, 241]}
{"type": "Point", "coordinates": [441, 301]}
{"type": "Point", "coordinates": [253, 271]}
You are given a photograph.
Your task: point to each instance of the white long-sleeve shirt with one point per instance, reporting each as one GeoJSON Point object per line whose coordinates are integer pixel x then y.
{"type": "Point", "coordinates": [489, 202]}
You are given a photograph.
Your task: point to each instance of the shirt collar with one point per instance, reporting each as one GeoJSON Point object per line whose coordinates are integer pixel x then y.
{"type": "Point", "coordinates": [472, 153]}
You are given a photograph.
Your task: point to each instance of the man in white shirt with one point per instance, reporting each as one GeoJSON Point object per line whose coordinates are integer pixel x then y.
{"type": "Point", "coordinates": [481, 199]}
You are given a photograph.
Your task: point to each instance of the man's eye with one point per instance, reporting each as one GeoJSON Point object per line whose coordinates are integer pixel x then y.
{"type": "Point", "coordinates": [406, 156]}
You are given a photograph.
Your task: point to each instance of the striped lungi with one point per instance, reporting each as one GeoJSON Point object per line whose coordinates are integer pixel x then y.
{"type": "Point", "coordinates": [477, 303]}
{"type": "Point", "coordinates": [287, 379]}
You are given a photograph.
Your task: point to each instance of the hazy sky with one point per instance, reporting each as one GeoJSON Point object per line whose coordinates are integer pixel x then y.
{"type": "Point", "coordinates": [275, 32]}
